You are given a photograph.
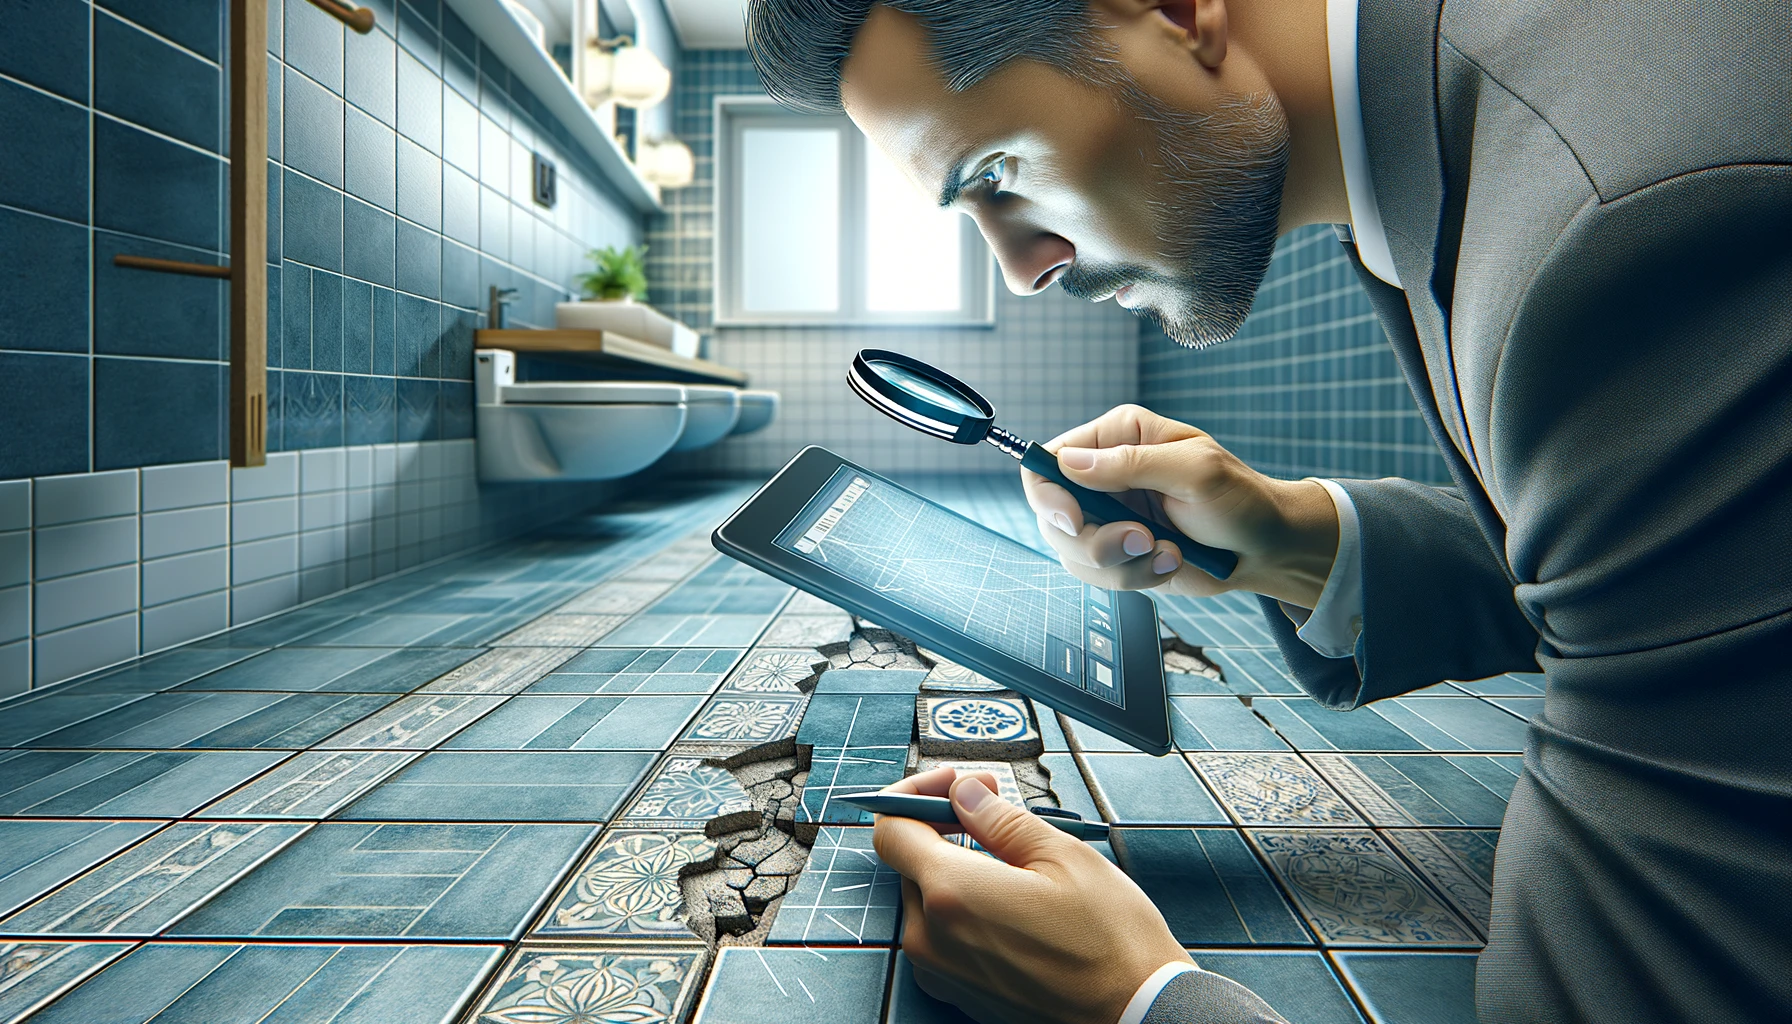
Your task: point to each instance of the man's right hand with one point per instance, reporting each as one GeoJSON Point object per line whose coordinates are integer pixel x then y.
{"type": "Point", "coordinates": [1285, 532]}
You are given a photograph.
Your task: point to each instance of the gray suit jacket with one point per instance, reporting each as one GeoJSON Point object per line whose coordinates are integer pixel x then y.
{"type": "Point", "coordinates": [1590, 205]}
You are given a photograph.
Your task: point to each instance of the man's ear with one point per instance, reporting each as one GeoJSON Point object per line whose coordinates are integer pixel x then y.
{"type": "Point", "coordinates": [1196, 26]}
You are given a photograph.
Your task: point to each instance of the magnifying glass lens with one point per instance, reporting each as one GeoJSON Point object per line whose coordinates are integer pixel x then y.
{"type": "Point", "coordinates": [924, 389]}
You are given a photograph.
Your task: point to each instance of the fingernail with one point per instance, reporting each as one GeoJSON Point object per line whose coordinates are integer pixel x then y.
{"type": "Point", "coordinates": [1164, 562]}
{"type": "Point", "coordinates": [1062, 522]}
{"type": "Point", "coordinates": [1135, 543]}
{"type": "Point", "coordinates": [972, 794]}
{"type": "Point", "coordinates": [1076, 458]}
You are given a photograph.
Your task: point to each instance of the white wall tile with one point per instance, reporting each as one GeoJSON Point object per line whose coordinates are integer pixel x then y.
{"type": "Point", "coordinates": [185, 486]}
{"type": "Point", "coordinates": [83, 547]}
{"type": "Point", "coordinates": [15, 614]}
{"type": "Point", "coordinates": [269, 517]}
{"type": "Point", "coordinates": [15, 558]}
{"type": "Point", "coordinates": [73, 600]}
{"type": "Point", "coordinates": [182, 621]}
{"type": "Point", "coordinates": [322, 547]}
{"type": "Point", "coordinates": [360, 466]}
{"type": "Point", "coordinates": [324, 580]}
{"type": "Point", "coordinates": [15, 668]}
{"type": "Point", "coordinates": [263, 598]}
{"type": "Point", "coordinates": [262, 559]}
{"type": "Point", "coordinates": [277, 479]}
{"type": "Point", "coordinates": [185, 576]}
{"type": "Point", "coordinates": [318, 511]}
{"type": "Point", "coordinates": [74, 499]}
{"type": "Point", "coordinates": [189, 529]}
{"type": "Point", "coordinates": [71, 652]}
{"type": "Point", "coordinates": [385, 464]}
{"type": "Point", "coordinates": [15, 505]}
{"type": "Point", "coordinates": [323, 469]}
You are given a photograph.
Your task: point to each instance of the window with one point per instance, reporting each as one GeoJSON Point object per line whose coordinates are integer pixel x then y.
{"type": "Point", "coordinates": [816, 226]}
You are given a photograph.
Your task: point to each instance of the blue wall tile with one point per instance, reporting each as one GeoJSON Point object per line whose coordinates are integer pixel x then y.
{"type": "Point", "coordinates": [456, 33]}
{"type": "Point", "coordinates": [276, 330]}
{"type": "Point", "coordinates": [157, 412]}
{"type": "Point", "coordinates": [419, 329]}
{"type": "Point", "coordinates": [313, 222]}
{"type": "Point", "coordinates": [42, 266]}
{"type": "Point", "coordinates": [419, 185]}
{"type": "Point", "coordinates": [276, 199]}
{"type": "Point", "coordinates": [417, 32]}
{"type": "Point", "coordinates": [144, 185]}
{"type": "Point", "coordinates": [417, 409]}
{"type": "Point", "coordinates": [46, 44]}
{"type": "Point", "coordinates": [357, 327]}
{"type": "Point", "coordinates": [460, 276]}
{"type": "Point", "coordinates": [457, 410]}
{"type": "Point", "coordinates": [313, 123]}
{"type": "Point", "coordinates": [144, 80]}
{"type": "Point", "coordinates": [45, 168]}
{"type": "Point", "coordinates": [419, 103]}
{"type": "Point", "coordinates": [371, 169]}
{"type": "Point", "coordinates": [313, 44]}
{"type": "Point", "coordinates": [419, 261]}
{"type": "Point", "coordinates": [326, 321]}
{"type": "Point", "coordinates": [371, 76]}
{"type": "Point", "coordinates": [197, 25]}
{"type": "Point", "coordinates": [460, 206]}
{"type": "Point", "coordinates": [295, 301]}
{"type": "Point", "coordinates": [370, 407]}
{"type": "Point", "coordinates": [313, 407]}
{"type": "Point", "coordinates": [142, 313]}
{"type": "Point", "coordinates": [368, 243]}
{"type": "Point", "coordinates": [43, 414]}
{"type": "Point", "coordinates": [385, 331]}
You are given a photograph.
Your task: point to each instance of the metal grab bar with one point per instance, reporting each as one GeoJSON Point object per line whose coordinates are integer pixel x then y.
{"type": "Point", "coordinates": [358, 18]}
{"type": "Point", "coordinates": [172, 266]}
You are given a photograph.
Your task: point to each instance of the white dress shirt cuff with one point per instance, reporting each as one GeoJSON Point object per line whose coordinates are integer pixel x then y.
{"type": "Point", "coordinates": [1334, 624]}
{"type": "Point", "coordinates": [1147, 994]}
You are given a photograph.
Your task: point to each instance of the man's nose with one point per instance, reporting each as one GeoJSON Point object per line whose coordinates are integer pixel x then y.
{"type": "Point", "coordinates": [1031, 259]}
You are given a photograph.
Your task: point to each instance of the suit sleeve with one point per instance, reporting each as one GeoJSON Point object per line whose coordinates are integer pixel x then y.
{"type": "Point", "coordinates": [1437, 603]}
{"type": "Point", "coordinates": [1202, 997]}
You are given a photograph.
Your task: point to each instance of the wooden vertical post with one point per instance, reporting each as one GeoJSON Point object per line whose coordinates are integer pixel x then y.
{"type": "Point", "coordinates": [248, 232]}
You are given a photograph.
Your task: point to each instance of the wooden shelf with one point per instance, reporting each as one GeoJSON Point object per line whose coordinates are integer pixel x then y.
{"type": "Point", "coordinates": [599, 349]}
{"type": "Point", "coordinates": [498, 29]}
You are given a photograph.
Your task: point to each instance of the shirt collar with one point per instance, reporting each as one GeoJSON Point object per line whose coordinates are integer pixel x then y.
{"type": "Point", "coordinates": [1359, 185]}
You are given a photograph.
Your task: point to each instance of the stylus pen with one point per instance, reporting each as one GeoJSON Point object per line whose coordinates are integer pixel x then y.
{"type": "Point", "coordinates": [938, 810]}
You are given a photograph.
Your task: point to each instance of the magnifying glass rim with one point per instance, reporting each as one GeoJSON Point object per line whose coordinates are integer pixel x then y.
{"type": "Point", "coordinates": [922, 415]}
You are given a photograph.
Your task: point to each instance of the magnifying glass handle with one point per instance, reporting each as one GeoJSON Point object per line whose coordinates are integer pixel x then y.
{"type": "Point", "coordinates": [1102, 507]}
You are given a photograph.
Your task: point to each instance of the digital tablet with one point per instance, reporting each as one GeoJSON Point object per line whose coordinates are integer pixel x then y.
{"type": "Point", "coordinates": [873, 547]}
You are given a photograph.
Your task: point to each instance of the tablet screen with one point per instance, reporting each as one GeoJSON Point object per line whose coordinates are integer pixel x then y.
{"type": "Point", "coordinates": [963, 576]}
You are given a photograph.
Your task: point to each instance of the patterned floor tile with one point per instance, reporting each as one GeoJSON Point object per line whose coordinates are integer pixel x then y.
{"type": "Point", "coordinates": [507, 786]}
{"type": "Point", "coordinates": [417, 722]}
{"type": "Point", "coordinates": [32, 974]}
{"type": "Point", "coordinates": [795, 986]}
{"type": "Point", "coordinates": [641, 670]}
{"type": "Point", "coordinates": [616, 598]}
{"type": "Point", "coordinates": [353, 880]}
{"type": "Point", "coordinates": [335, 670]}
{"type": "Point", "coordinates": [789, 630]}
{"type": "Point", "coordinates": [1272, 789]}
{"type": "Point", "coordinates": [1138, 789]}
{"type": "Point", "coordinates": [161, 672]}
{"type": "Point", "coordinates": [1007, 786]}
{"type": "Point", "coordinates": [1298, 985]}
{"type": "Point", "coordinates": [858, 719]}
{"type": "Point", "coordinates": [311, 786]}
{"type": "Point", "coordinates": [580, 723]}
{"type": "Point", "coordinates": [847, 770]}
{"type": "Point", "coordinates": [685, 793]}
{"type": "Point", "coordinates": [1512, 684]}
{"type": "Point", "coordinates": [1467, 889]}
{"type": "Point", "coordinates": [628, 888]}
{"type": "Point", "coordinates": [845, 895]}
{"type": "Point", "coordinates": [506, 670]}
{"type": "Point", "coordinates": [586, 985]}
{"type": "Point", "coordinates": [1253, 670]}
{"type": "Point", "coordinates": [1413, 988]}
{"type": "Point", "coordinates": [305, 984]}
{"type": "Point", "coordinates": [561, 631]}
{"type": "Point", "coordinates": [167, 721]}
{"type": "Point", "coordinates": [746, 718]}
{"type": "Point", "coordinates": [951, 677]}
{"type": "Point", "coordinates": [976, 727]}
{"type": "Point", "coordinates": [121, 784]}
{"type": "Point", "coordinates": [1424, 789]}
{"type": "Point", "coordinates": [776, 671]}
{"type": "Point", "coordinates": [1209, 885]}
{"type": "Point", "coordinates": [1219, 723]}
{"type": "Point", "coordinates": [1354, 891]}
{"type": "Point", "coordinates": [37, 856]}
{"type": "Point", "coordinates": [155, 883]}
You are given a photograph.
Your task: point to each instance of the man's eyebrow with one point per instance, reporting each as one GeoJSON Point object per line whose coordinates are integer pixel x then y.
{"type": "Point", "coordinates": [952, 185]}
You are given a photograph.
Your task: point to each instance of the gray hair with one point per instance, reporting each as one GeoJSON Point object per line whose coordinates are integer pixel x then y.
{"type": "Point", "coordinates": [799, 45]}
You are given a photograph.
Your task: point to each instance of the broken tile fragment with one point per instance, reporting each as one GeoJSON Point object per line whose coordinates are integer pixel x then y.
{"type": "Point", "coordinates": [728, 909]}
{"type": "Point", "coordinates": [777, 671]}
{"type": "Point", "coordinates": [976, 728]}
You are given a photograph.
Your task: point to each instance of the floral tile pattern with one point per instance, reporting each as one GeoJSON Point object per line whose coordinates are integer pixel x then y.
{"type": "Point", "coordinates": [686, 793]}
{"type": "Point", "coordinates": [1467, 891]}
{"type": "Point", "coordinates": [580, 985]}
{"type": "Point", "coordinates": [775, 671]}
{"type": "Point", "coordinates": [746, 719]}
{"type": "Point", "coordinates": [1354, 890]}
{"type": "Point", "coordinates": [789, 630]}
{"type": "Point", "coordinates": [628, 887]}
{"type": "Point", "coordinates": [1273, 789]}
{"type": "Point", "coordinates": [976, 727]}
{"type": "Point", "coordinates": [1424, 789]}
{"type": "Point", "coordinates": [417, 722]}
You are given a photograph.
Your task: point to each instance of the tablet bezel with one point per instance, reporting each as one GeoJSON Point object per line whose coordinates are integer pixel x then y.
{"type": "Point", "coordinates": [749, 536]}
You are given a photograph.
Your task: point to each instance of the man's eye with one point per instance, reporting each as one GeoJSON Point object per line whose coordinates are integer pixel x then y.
{"type": "Point", "coordinates": [995, 175]}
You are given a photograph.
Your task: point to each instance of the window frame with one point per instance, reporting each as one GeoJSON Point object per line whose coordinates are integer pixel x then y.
{"type": "Point", "coordinates": [735, 114]}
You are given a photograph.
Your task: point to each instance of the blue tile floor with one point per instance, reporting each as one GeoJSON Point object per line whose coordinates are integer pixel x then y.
{"type": "Point", "coordinates": [465, 793]}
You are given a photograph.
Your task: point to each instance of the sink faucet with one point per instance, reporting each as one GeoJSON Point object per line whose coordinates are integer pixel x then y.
{"type": "Point", "coordinates": [500, 297]}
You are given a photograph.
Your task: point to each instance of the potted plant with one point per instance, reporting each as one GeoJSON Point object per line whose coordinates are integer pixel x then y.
{"type": "Point", "coordinates": [617, 275]}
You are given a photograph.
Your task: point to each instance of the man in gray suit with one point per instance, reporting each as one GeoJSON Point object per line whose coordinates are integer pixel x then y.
{"type": "Point", "coordinates": [1574, 220]}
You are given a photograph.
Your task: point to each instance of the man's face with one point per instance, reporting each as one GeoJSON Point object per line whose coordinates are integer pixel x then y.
{"type": "Point", "coordinates": [1160, 189]}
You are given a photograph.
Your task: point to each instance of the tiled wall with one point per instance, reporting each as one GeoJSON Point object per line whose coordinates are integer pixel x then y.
{"type": "Point", "coordinates": [96, 568]}
{"type": "Point", "coordinates": [399, 190]}
{"type": "Point", "coordinates": [1050, 362]}
{"type": "Point", "coordinates": [1309, 387]}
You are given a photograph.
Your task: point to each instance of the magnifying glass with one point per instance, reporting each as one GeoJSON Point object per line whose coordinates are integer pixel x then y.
{"type": "Point", "coordinates": [934, 402]}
